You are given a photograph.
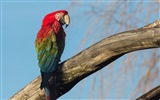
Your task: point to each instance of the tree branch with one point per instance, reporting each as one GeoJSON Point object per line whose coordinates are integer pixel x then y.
{"type": "Point", "coordinates": [94, 58]}
{"type": "Point", "coordinates": [153, 94]}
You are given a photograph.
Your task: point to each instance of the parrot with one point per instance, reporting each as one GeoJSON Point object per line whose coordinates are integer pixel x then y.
{"type": "Point", "coordinates": [49, 45]}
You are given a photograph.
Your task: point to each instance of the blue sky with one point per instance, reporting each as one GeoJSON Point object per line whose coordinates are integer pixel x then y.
{"type": "Point", "coordinates": [21, 21]}
{"type": "Point", "coordinates": [20, 24]}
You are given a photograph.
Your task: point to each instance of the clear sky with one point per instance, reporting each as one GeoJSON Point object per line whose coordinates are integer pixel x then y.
{"type": "Point", "coordinates": [21, 21]}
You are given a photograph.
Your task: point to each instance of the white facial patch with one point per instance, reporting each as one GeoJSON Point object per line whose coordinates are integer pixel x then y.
{"type": "Point", "coordinates": [58, 16]}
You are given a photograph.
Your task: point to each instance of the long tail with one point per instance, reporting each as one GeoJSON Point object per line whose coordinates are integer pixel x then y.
{"type": "Point", "coordinates": [49, 85]}
{"type": "Point", "coordinates": [53, 85]}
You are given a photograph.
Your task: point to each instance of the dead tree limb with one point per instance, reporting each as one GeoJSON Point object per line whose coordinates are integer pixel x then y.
{"type": "Point", "coordinates": [153, 94]}
{"type": "Point", "coordinates": [94, 58]}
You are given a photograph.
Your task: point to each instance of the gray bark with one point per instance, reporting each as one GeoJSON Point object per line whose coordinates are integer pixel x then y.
{"type": "Point", "coordinates": [94, 58]}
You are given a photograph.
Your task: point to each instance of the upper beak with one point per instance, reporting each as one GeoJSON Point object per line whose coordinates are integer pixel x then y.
{"type": "Point", "coordinates": [66, 20]}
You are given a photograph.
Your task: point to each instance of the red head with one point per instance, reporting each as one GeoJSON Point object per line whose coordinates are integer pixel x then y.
{"type": "Point", "coordinates": [60, 16]}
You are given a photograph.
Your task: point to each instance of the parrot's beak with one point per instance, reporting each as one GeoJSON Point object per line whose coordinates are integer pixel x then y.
{"type": "Point", "coordinates": [66, 19]}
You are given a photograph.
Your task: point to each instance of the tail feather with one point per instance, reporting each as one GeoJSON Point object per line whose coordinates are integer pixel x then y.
{"type": "Point", "coordinates": [45, 80]}
{"type": "Point", "coordinates": [49, 85]}
{"type": "Point", "coordinates": [53, 92]}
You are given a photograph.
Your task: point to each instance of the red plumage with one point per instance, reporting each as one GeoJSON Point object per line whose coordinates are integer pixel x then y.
{"type": "Point", "coordinates": [49, 18]}
{"type": "Point", "coordinates": [50, 44]}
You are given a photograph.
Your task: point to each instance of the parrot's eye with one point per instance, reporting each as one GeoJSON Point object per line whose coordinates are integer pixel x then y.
{"type": "Point", "coordinates": [57, 14]}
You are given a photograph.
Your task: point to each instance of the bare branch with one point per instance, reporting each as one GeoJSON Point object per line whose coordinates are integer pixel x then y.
{"type": "Point", "coordinates": [153, 94]}
{"type": "Point", "coordinates": [94, 58]}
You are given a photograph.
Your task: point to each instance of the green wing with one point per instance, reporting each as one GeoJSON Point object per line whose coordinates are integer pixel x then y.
{"type": "Point", "coordinates": [47, 51]}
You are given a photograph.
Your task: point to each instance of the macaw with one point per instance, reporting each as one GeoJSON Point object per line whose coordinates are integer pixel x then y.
{"type": "Point", "coordinates": [49, 44]}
